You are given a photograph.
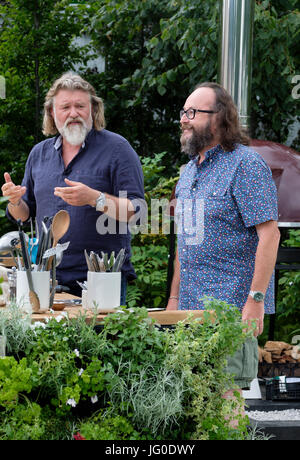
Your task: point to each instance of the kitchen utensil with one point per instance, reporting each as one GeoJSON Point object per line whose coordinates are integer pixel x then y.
{"type": "Point", "coordinates": [36, 228]}
{"type": "Point", "coordinates": [54, 282]}
{"type": "Point", "coordinates": [15, 243]}
{"type": "Point", "coordinates": [119, 261]}
{"type": "Point", "coordinates": [47, 242]}
{"type": "Point", "coordinates": [34, 300]}
{"type": "Point", "coordinates": [33, 247]}
{"type": "Point", "coordinates": [58, 306]}
{"type": "Point", "coordinates": [88, 262]}
{"type": "Point", "coordinates": [95, 261]}
{"type": "Point", "coordinates": [59, 258]}
{"type": "Point", "coordinates": [41, 243]}
{"type": "Point", "coordinates": [5, 241]}
{"type": "Point", "coordinates": [59, 227]}
{"type": "Point", "coordinates": [68, 302]}
{"type": "Point", "coordinates": [82, 285]}
{"type": "Point", "coordinates": [31, 228]}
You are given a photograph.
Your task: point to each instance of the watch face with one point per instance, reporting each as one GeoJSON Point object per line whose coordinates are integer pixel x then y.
{"type": "Point", "coordinates": [258, 297]}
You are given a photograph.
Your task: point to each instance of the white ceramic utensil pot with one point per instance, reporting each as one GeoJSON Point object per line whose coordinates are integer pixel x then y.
{"type": "Point", "coordinates": [103, 290]}
{"type": "Point", "coordinates": [41, 284]}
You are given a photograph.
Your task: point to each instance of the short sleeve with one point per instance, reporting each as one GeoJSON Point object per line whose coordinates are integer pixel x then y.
{"type": "Point", "coordinates": [27, 181]}
{"type": "Point", "coordinates": [255, 192]}
{"type": "Point", "coordinates": [128, 173]}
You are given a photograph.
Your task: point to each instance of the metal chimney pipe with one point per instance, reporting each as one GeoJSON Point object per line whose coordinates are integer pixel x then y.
{"type": "Point", "coordinates": [235, 53]}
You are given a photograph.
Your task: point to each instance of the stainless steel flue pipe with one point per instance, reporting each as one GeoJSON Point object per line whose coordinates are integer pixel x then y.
{"type": "Point", "coordinates": [235, 53]}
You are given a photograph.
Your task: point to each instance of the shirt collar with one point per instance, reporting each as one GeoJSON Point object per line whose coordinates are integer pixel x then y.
{"type": "Point", "coordinates": [213, 151]}
{"type": "Point", "coordinates": [209, 153]}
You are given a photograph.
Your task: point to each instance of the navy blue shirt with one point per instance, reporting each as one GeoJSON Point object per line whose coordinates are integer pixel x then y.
{"type": "Point", "coordinates": [219, 203]}
{"type": "Point", "coordinates": [105, 162]}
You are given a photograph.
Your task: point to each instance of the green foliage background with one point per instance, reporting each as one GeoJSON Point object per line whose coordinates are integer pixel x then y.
{"type": "Point", "coordinates": [155, 52]}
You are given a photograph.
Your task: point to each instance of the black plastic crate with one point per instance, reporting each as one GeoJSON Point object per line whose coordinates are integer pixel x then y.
{"type": "Point", "coordinates": [281, 390]}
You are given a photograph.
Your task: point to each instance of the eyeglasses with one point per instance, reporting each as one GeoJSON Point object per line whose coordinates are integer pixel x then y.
{"type": "Point", "coordinates": [190, 113]}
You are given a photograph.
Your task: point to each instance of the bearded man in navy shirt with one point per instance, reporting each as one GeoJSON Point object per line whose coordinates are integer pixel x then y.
{"type": "Point", "coordinates": [85, 169]}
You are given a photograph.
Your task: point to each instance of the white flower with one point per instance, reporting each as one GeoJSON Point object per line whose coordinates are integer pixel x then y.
{"type": "Point", "coordinates": [38, 324]}
{"type": "Point", "coordinates": [63, 315]}
{"type": "Point", "coordinates": [71, 402]}
{"type": "Point", "coordinates": [94, 399]}
{"type": "Point", "coordinates": [76, 352]}
{"type": "Point", "coordinates": [81, 371]}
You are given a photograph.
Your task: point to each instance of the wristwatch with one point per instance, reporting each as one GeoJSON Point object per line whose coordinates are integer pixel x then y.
{"type": "Point", "coordinates": [100, 202]}
{"type": "Point", "coordinates": [257, 296]}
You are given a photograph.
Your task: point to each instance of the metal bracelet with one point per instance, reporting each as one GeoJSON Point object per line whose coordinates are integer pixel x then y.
{"type": "Point", "coordinates": [174, 297]}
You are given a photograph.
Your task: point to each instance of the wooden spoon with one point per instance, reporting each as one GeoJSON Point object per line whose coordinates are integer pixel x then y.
{"type": "Point", "coordinates": [59, 227]}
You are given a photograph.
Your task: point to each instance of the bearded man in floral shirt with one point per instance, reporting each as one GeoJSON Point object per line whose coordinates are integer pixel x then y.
{"type": "Point", "coordinates": [226, 213]}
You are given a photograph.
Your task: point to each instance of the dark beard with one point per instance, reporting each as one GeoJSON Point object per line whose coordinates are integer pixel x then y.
{"type": "Point", "coordinates": [198, 141]}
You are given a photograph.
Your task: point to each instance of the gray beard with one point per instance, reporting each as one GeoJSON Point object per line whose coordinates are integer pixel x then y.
{"type": "Point", "coordinates": [197, 142]}
{"type": "Point", "coordinates": [75, 135]}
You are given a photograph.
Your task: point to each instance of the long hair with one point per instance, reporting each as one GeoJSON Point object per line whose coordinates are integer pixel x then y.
{"type": "Point", "coordinates": [72, 82]}
{"type": "Point", "coordinates": [230, 130]}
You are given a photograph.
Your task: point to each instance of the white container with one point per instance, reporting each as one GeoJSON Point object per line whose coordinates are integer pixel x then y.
{"type": "Point", "coordinates": [84, 298]}
{"type": "Point", "coordinates": [103, 291]}
{"type": "Point", "coordinates": [41, 285]}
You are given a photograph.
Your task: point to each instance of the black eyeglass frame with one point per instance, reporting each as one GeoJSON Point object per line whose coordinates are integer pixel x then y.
{"type": "Point", "coordinates": [182, 111]}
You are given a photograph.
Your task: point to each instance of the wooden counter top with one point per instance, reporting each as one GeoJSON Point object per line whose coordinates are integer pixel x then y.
{"type": "Point", "coordinates": [161, 317]}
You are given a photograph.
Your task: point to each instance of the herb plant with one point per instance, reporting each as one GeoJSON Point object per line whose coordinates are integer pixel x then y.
{"type": "Point", "coordinates": [130, 379]}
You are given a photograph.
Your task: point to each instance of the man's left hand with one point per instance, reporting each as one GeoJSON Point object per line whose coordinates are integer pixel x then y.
{"type": "Point", "coordinates": [254, 311]}
{"type": "Point", "coordinates": [77, 194]}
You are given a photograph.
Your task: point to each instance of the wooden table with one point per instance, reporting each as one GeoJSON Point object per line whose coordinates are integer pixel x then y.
{"type": "Point", "coordinates": [161, 317]}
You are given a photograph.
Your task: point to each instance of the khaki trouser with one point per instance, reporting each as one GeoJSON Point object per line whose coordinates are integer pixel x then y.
{"type": "Point", "coordinates": [244, 364]}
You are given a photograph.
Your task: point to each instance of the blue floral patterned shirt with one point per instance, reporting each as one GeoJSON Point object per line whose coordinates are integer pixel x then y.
{"type": "Point", "coordinates": [219, 202]}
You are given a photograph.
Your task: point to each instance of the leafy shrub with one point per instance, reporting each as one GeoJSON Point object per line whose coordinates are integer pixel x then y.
{"type": "Point", "coordinates": [147, 382]}
{"type": "Point", "coordinates": [288, 304]}
{"type": "Point", "coordinates": [15, 378]}
{"type": "Point", "coordinates": [23, 423]}
{"type": "Point", "coordinates": [151, 264]}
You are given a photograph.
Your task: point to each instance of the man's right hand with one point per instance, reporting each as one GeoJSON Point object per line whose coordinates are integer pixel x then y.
{"type": "Point", "coordinates": [13, 192]}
